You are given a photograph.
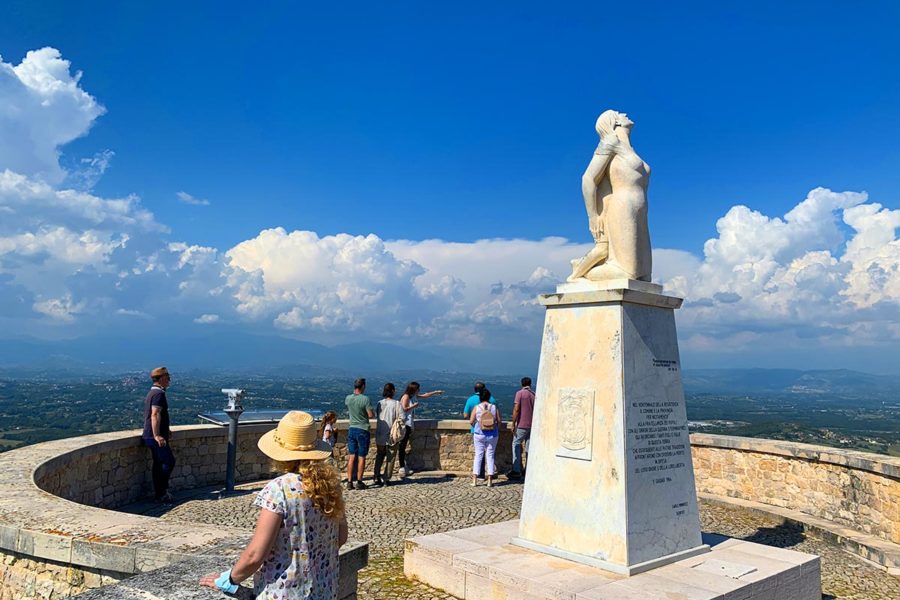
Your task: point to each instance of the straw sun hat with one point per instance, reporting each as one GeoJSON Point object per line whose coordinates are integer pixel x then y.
{"type": "Point", "coordinates": [295, 438]}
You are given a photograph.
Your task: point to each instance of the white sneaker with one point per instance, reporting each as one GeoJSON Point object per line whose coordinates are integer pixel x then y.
{"type": "Point", "coordinates": [403, 472]}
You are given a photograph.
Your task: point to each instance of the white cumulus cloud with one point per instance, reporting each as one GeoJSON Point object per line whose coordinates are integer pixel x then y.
{"type": "Point", "coordinates": [188, 199]}
{"type": "Point", "coordinates": [207, 319]}
{"type": "Point", "coordinates": [804, 279]}
{"type": "Point", "coordinates": [43, 107]}
{"type": "Point", "coordinates": [338, 283]}
{"type": "Point", "coordinates": [60, 309]}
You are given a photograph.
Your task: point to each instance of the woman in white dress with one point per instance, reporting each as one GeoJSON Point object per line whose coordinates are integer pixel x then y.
{"type": "Point", "coordinates": [293, 554]}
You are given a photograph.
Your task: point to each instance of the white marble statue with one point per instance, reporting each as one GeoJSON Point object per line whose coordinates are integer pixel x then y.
{"type": "Point", "coordinates": [615, 196]}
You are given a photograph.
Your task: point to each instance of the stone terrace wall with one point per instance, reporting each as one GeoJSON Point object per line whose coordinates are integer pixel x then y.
{"type": "Point", "coordinates": [118, 471]}
{"type": "Point", "coordinates": [52, 547]}
{"type": "Point", "coordinates": [858, 490]}
{"type": "Point", "coordinates": [47, 543]}
{"type": "Point", "coordinates": [23, 576]}
{"type": "Point", "coordinates": [854, 489]}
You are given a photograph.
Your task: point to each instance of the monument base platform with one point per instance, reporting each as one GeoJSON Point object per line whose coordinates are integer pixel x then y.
{"type": "Point", "coordinates": [480, 563]}
{"type": "Point", "coordinates": [608, 566]}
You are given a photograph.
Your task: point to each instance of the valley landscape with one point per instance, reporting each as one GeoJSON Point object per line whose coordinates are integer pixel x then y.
{"type": "Point", "coordinates": [844, 409]}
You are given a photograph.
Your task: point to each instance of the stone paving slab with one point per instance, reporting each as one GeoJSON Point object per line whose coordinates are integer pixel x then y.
{"type": "Point", "coordinates": [181, 576]}
{"type": "Point", "coordinates": [181, 580]}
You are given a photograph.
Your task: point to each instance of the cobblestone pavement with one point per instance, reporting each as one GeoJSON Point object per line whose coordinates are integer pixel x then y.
{"type": "Point", "coordinates": [427, 503]}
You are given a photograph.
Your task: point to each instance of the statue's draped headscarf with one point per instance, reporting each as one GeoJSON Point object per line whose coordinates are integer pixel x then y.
{"type": "Point", "coordinates": [606, 123]}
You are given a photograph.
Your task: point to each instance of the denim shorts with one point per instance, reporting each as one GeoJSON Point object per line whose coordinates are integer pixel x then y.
{"type": "Point", "coordinates": [357, 441]}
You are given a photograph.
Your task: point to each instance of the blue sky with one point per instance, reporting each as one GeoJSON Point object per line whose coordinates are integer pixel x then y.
{"type": "Point", "coordinates": [464, 123]}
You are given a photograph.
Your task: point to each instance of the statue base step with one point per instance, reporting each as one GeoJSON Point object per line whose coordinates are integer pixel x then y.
{"type": "Point", "coordinates": [610, 566]}
{"type": "Point", "coordinates": [480, 563]}
{"type": "Point", "coordinates": [586, 285]}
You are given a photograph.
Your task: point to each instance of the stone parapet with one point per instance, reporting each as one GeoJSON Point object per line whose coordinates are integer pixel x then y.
{"type": "Point", "coordinates": [57, 537]}
{"type": "Point", "coordinates": [853, 459]}
{"type": "Point", "coordinates": [55, 533]}
{"type": "Point", "coordinates": [855, 490]}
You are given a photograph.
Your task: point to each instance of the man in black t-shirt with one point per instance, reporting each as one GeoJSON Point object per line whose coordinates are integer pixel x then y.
{"type": "Point", "coordinates": [156, 433]}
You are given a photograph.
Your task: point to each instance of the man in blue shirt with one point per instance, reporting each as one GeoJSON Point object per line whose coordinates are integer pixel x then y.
{"type": "Point", "coordinates": [473, 401]}
{"type": "Point", "coordinates": [156, 433]}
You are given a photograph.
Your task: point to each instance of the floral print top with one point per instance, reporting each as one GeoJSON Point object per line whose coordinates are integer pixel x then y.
{"type": "Point", "coordinates": [303, 562]}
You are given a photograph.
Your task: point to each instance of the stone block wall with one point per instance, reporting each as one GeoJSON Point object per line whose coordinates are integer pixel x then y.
{"type": "Point", "coordinates": [21, 576]}
{"type": "Point", "coordinates": [854, 489]}
{"type": "Point", "coordinates": [120, 473]}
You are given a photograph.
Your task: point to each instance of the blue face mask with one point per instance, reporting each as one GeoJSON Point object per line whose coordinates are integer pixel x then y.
{"type": "Point", "coordinates": [224, 582]}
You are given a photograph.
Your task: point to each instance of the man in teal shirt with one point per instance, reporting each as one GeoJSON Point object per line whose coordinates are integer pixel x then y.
{"type": "Point", "coordinates": [360, 409]}
{"type": "Point", "coordinates": [473, 401]}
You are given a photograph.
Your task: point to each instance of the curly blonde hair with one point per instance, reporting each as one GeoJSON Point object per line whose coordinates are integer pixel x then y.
{"type": "Point", "coordinates": [321, 484]}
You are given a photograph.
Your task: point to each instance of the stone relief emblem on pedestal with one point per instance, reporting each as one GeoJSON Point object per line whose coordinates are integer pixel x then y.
{"type": "Point", "coordinates": [575, 419]}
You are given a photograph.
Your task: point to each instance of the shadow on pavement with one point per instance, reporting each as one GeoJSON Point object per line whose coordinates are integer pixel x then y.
{"type": "Point", "coordinates": [785, 535]}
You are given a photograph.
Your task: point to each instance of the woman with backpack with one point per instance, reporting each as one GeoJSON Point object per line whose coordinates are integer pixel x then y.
{"type": "Point", "coordinates": [486, 420]}
{"type": "Point", "coordinates": [389, 430]}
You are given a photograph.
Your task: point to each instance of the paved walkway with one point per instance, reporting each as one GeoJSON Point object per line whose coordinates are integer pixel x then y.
{"type": "Point", "coordinates": [427, 503]}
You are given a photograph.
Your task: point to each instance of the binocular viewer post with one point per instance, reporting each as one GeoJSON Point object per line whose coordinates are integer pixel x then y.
{"type": "Point", "coordinates": [233, 409]}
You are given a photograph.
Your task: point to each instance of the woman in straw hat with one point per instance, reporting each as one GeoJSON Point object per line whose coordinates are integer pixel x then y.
{"type": "Point", "coordinates": [294, 550]}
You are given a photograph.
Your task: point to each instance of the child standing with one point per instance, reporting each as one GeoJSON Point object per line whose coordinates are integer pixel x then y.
{"type": "Point", "coordinates": [329, 435]}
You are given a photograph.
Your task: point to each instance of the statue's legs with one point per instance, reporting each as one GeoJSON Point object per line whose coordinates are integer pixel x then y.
{"type": "Point", "coordinates": [607, 271]}
{"type": "Point", "coordinates": [596, 256]}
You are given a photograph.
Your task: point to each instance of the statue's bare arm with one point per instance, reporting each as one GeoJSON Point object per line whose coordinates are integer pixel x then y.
{"type": "Point", "coordinates": [590, 186]}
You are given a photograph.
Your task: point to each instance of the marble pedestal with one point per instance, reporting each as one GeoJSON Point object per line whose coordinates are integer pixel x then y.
{"type": "Point", "coordinates": [610, 481]}
{"type": "Point", "coordinates": [609, 510]}
{"type": "Point", "coordinates": [479, 563]}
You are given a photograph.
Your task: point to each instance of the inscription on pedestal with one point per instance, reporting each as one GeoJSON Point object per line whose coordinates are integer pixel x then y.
{"type": "Point", "coordinates": [658, 441]}
{"type": "Point", "coordinates": [660, 436]}
{"type": "Point", "coordinates": [575, 423]}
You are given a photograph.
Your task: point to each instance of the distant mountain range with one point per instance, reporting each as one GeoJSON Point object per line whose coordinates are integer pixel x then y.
{"type": "Point", "coordinates": [283, 357]}
{"type": "Point", "coordinates": [790, 381]}
{"type": "Point", "coordinates": [241, 351]}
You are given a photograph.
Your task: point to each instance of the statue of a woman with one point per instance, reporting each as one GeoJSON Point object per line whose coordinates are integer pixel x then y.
{"type": "Point", "coordinates": [615, 196]}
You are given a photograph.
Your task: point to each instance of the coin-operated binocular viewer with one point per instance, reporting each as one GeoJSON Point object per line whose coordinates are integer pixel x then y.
{"type": "Point", "coordinates": [233, 409]}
